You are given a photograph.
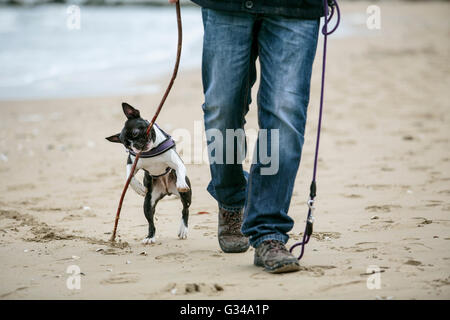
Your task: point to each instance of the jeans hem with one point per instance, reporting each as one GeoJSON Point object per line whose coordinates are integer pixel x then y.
{"type": "Point", "coordinates": [229, 208]}
{"type": "Point", "coordinates": [273, 236]}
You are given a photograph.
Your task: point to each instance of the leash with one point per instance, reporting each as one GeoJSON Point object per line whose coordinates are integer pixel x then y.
{"type": "Point", "coordinates": [152, 122]}
{"type": "Point", "coordinates": [313, 187]}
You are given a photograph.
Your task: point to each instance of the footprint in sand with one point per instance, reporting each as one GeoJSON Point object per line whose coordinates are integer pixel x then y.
{"type": "Point", "coordinates": [364, 249]}
{"type": "Point", "coordinates": [173, 256]}
{"type": "Point", "coordinates": [377, 225]}
{"type": "Point", "coordinates": [259, 276]}
{"type": "Point", "coordinates": [358, 248]}
{"type": "Point", "coordinates": [424, 221]}
{"type": "Point", "coordinates": [191, 288]}
{"type": "Point", "coordinates": [121, 278]}
{"type": "Point", "coordinates": [210, 253]}
{"type": "Point", "coordinates": [352, 196]}
{"type": "Point", "coordinates": [413, 263]}
{"type": "Point", "coordinates": [382, 208]}
{"type": "Point", "coordinates": [111, 251]}
{"type": "Point", "coordinates": [437, 283]}
{"type": "Point", "coordinates": [434, 203]}
{"type": "Point", "coordinates": [317, 271]}
{"type": "Point", "coordinates": [207, 234]}
{"type": "Point", "coordinates": [72, 217]}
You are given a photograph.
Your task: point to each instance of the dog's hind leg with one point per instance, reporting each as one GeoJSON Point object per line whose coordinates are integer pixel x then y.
{"type": "Point", "coordinates": [151, 199]}
{"type": "Point", "coordinates": [186, 199]}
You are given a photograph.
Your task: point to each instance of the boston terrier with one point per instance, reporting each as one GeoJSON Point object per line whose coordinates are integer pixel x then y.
{"type": "Point", "coordinates": [165, 173]}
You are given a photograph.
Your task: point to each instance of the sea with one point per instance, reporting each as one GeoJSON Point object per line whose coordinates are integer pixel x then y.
{"type": "Point", "coordinates": [55, 51]}
{"type": "Point", "coordinates": [64, 51]}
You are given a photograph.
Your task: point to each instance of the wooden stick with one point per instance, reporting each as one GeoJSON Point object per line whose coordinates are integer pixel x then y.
{"type": "Point", "coordinates": [169, 87]}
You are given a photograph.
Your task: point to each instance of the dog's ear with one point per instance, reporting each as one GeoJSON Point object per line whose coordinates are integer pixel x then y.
{"type": "Point", "coordinates": [114, 138]}
{"type": "Point", "coordinates": [130, 112]}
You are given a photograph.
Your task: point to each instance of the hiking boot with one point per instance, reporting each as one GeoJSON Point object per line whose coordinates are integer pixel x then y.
{"type": "Point", "coordinates": [275, 258]}
{"type": "Point", "coordinates": [231, 239]}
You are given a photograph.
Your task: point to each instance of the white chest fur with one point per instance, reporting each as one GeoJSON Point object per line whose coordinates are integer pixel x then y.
{"type": "Point", "coordinates": [157, 165]}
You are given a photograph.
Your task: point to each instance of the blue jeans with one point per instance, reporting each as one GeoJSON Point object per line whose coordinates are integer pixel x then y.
{"type": "Point", "coordinates": [286, 48]}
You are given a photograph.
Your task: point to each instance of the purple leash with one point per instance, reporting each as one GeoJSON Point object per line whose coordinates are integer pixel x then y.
{"type": "Point", "coordinates": [312, 191]}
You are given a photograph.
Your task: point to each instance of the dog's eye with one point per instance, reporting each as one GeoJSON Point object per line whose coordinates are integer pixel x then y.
{"type": "Point", "coordinates": [135, 133]}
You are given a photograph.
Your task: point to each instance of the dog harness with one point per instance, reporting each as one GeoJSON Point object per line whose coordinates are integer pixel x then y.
{"type": "Point", "coordinates": [164, 146]}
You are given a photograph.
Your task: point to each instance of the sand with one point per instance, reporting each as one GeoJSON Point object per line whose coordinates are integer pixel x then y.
{"type": "Point", "coordinates": [383, 193]}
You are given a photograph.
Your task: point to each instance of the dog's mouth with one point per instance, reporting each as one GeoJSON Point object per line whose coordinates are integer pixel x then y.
{"type": "Point", "coordinates": [145, 148]}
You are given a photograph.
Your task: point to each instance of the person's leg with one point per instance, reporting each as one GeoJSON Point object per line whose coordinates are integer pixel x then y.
{"type": "Point", "coordinates": [228, 72]}
{"type": "Point", "coordinates": [287, 49]}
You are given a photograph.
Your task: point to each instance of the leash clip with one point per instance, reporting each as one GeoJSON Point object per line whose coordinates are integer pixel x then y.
{"type": "Point", "coordinates": [310, 219]}
{"type": "Point", "coordinates": [311, 204]}
{"type": "Point", "coordinates": [312, 208]}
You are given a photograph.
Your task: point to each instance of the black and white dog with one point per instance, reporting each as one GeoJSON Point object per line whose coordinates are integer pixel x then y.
{"type": "Point", "coordinates": [165, 173]}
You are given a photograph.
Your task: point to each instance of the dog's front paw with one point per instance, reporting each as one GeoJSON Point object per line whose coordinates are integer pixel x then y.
{"type": "Point", "coordinates": [138, 187]}
{"type": "Point", "coordinates": [183, 231]}
{"type": "Point", "coordinates": [148, 240]}
{"type": "Point", "coordinates": [182, 187]}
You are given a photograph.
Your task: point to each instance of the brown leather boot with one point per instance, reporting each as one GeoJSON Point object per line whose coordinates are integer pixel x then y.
{"type": "Point", "coordinates": [231, 239]}
{"type": "Point", "coordinates": [275, 258]}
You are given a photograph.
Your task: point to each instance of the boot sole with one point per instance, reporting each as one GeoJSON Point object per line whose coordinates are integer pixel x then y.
{"type": "Point", "coordinates": [281, 268]}
{"type": "Point", "coordinates": [291, 267]}
{"type": "Point", "coordinates": [234, 250]}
